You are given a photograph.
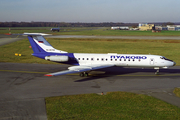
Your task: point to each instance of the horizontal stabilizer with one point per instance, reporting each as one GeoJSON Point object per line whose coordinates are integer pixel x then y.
{"type": "Point", "coordinates": [35, 34]}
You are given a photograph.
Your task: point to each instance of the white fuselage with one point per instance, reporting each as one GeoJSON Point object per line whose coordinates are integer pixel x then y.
{"type": "Point", "coordinates": [131, 60]}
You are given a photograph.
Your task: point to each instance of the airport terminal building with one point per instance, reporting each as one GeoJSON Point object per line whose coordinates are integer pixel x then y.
{"type": "Point", "coordinates": [146, 27]}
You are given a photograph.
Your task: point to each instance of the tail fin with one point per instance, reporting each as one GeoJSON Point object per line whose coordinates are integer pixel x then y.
{"type": "Point", "coordinates": [39, 43]}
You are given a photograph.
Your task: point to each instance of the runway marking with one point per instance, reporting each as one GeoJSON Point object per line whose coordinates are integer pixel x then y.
{"type": "Point", "coordinates": [161, 75]}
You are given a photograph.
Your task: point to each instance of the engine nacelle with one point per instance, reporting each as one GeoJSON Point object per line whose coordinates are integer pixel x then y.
{"type": "Point", "coordinates": [57, 58]}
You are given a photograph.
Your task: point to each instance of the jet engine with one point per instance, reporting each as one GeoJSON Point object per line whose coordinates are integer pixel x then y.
{"type": "Point", "coordinates": [57, 58]}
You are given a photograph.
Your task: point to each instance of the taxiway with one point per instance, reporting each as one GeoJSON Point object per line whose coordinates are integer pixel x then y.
{"type": "Point", "coordinates": [23, 87]}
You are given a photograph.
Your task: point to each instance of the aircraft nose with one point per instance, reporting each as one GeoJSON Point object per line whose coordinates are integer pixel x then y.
{"type": "Point", "coordinates": [174, 63]}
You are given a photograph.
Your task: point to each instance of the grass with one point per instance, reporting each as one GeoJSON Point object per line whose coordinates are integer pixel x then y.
{"type": "Point", "coordinates": [177, 92]}
{"type": "Point", "coordinates": [4, 30]}
{"type": "Point", "coordinates": [103, 31]}
{"type": "Point", "coordinates": [114, 106]}
{"type": "Point", "coordinates": [21, 47]}
{"type": "Point", "coordinates": [167, 48]}
{"type": "Point", "coordinates": [108, 32]}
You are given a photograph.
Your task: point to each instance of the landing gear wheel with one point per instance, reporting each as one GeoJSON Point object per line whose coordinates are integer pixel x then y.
{"type": "Point", "coordinates": [83, 74]}
{"type": "Point", "coordinates": [157, 72]}
{"type": "Point", "coordinates": [86, 74]}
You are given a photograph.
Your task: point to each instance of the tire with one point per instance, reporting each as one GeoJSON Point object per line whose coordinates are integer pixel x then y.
{"type": "Point", "coordinates": [81, 74]}
{"type": "Point", "coordinates": [86, 74]}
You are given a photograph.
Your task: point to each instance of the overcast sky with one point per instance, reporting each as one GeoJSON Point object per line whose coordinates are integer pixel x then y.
{"type": "Point", "coordinates": [90, 10]}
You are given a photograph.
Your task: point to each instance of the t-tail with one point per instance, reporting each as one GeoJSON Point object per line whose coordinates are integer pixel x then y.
{"type": "Point", "coordinates": [40, 45]}
{"type": "Point", "coordinates": [43, 49]}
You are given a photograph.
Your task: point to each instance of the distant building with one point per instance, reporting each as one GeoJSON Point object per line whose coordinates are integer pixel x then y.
{"type": "Point", "coordinates": [124, 28]}
{"type": "Point", "coordinates": [146, 26]}
{"type": "Point", "coordinates": [120, 28]}
{"type": "Point", "coordinates": [161, 28]}
{"type": "Point", "coordinates": [134, 29]}
{"type": "Point", "coordinates": [114, 28]}
{"type": "Point", "coordinates": [173, 27]}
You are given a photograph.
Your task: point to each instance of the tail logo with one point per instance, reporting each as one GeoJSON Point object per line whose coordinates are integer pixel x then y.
{"type": "Point", "coordinates": [40, 42]}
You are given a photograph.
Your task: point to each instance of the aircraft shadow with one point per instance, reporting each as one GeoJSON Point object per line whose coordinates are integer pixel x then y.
{"type": "Point", "coordinates": [114, 71]}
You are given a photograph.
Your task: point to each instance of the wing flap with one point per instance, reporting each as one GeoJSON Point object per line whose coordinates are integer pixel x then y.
{"type": "Point", "coordinates": [77, 69]}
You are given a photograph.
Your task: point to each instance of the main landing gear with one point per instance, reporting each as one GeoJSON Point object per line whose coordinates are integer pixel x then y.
{"type": "Point", "coordinates": [83, 74]}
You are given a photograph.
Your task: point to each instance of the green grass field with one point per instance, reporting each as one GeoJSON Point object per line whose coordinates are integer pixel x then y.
{"type": "Point", "coordinates": [177, 92]}
{"type": "Point", "coordinates": [167, 48]}
{"type": "Point", "coordinates": [4, 30]}
{"type": "Point", "coordinates": [113, 106]}
{"type": "Point", "coordinates": [103, 31]}
{"type": "Point", "coordinates": [108, 32]}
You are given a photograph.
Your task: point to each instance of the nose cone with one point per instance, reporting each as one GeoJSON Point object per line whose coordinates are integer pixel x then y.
{"type": "Point", "coordinates": [174, 63]}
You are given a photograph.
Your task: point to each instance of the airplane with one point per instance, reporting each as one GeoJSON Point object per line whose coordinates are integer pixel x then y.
{"type": "Point", "coordinates": [86, 62]}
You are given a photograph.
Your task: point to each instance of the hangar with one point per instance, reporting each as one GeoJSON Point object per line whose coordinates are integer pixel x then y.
{"type": "Point", "coordinates": [146, 26]}
{"type": "Point", "coordinates": [173, 27]}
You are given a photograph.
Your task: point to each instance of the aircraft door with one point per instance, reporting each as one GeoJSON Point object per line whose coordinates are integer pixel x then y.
{"type": "Point", "coordinates": [151, 61]}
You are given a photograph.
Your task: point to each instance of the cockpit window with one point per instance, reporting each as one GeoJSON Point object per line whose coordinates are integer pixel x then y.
{"type": "Point", "coordinates": [165, 58]}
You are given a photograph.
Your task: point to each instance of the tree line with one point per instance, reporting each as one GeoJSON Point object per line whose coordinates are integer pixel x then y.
{"type": "Point", "coordinates": [63, 24]}
{"type": "Point", "coordinates": [78, 24]}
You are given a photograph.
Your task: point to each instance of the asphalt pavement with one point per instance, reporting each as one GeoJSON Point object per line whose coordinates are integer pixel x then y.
{"type": "Point", "coordinates": [6, 39]}
{"type": "Point", "coordinates": [23, 87]}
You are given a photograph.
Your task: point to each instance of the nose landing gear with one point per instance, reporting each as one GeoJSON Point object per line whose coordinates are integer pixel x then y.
{"type": "Point", "coordinates": [157, 70]}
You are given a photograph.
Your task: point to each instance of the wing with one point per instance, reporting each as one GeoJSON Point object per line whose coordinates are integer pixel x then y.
{"type": "Point", "coordinates": [77, 69]}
